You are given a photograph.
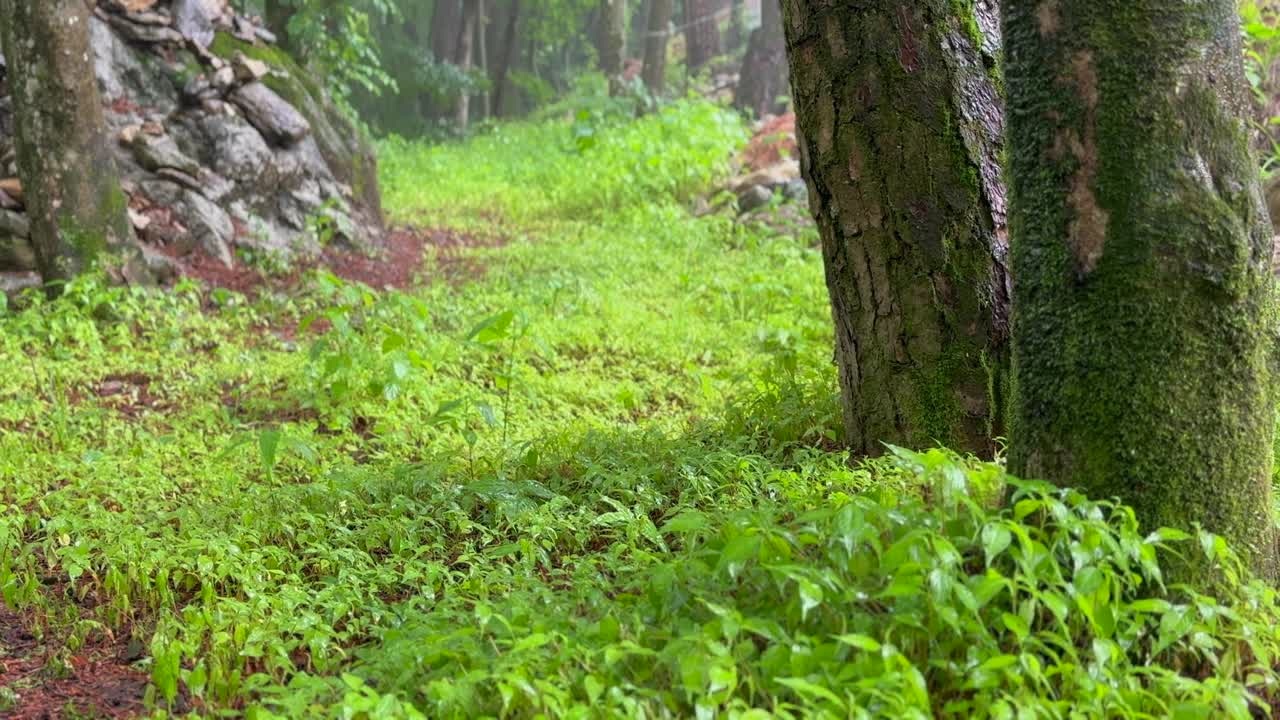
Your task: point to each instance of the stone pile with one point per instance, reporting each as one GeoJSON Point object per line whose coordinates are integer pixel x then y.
{"type": "Point", "coordinates": [222, 141]}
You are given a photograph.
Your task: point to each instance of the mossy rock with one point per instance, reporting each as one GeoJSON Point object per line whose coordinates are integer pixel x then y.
{"type": "Point", "coordinates": [345, 148]}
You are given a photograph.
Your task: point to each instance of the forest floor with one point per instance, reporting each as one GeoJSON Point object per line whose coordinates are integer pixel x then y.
{"type": "Point", "coordinates": [566, 450]}
{"type": "Point", "coordinates": [162, 450]}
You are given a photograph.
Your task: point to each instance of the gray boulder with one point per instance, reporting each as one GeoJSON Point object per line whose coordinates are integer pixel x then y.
{"type": "Point", "coordinates": [208, 226]}
{"type": "Point", "coordinates": [278, 121]}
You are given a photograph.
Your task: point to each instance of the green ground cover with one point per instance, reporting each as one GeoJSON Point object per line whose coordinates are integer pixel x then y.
{"type": "Point", "coordinates": [593, 476]}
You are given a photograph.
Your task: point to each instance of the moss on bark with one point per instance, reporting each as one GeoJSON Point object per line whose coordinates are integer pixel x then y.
{"type": "Point", "coordinates": [1141, 252]}
{"type": "Point", "coordinates": [77, 210]}
{"type": "Point", "coordinates": [901, 139]}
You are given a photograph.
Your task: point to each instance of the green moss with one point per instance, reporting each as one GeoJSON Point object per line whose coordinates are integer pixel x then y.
{"type": "Point", "coordinates": [1147, 374]}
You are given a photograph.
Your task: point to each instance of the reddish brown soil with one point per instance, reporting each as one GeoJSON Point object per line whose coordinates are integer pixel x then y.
{"type": "Point", "coordinates": [775, 140]}
{"type": "Point", "coordinates": [99, 682]}
{"type": "Point", "coordinates": [396, 265]}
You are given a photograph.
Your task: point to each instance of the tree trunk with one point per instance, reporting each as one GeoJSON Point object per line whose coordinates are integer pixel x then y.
{"type": "Point", "coordinates": [510, 35]}
{"type": "Point", "coordinates": [702, 32]}
{"type": "Point", "coordinates": [900, 142]}
{"type": "Point", "coordinates": [738, 24]}
{"type": "Point", "coordinates": [466, 42]}
{"type": "Point", "coordinates": [1142, 258]}
{"type": "Point", "coordinates": [276, 15]}
{"type": "Point", "coordinates": [764, 68]}
{"type": "Point", "coordinates": [482, 23]}
{"type": "Point", "coordinates": [77, 211]}
{"type": "Point", "coordinates": [655, 46]}
{"type": "Point", "coordinates": [446, 28]}
{"type": "Point", "coordinates": [613, 41]}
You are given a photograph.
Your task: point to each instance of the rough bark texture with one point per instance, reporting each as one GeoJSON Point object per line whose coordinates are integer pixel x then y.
{"type": "Point", "coordinates": [1142, 262]}
{"type": "Point", "coordinates": [613, 41]}
{"type": "Point", "coordinates": [764, 68]}
{"type": "Point", "coordinates": [702, 32]}
{"type": "Point", "coordinates": [77, 210]}
{"type": "Point", "coordinates": [901, 132]}
{"type": "Point", "coordinates": [655, 46]}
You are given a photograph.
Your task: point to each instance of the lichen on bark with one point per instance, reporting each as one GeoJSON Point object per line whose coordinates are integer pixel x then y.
{"type": "Point", "coordinates": [77, 210]}
{"type": "Point", "coordinates": [1144, 311]}
{"type": "Point", "coordinates": [901, 139]}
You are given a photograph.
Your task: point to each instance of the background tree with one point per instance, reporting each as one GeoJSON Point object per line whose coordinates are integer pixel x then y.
{"type": "Point", "coordinates": [764, 68]}
{"type": "Point", "coordinates": [900, 141]}
{"type": "Point", "coordinates": [613, 41]}
{"type": "Point", "coordinates": [465, 56]}
{"type": "Point", "coordinates": [1142, 259]}
{"type": "Point", "coordinates": [702, 32]}
{"type": "Point", "coordinates": [446, 28]}
{"type": "Point", "coordinates": [77, 211]}
{"type": "Point", "coordinates": [655, 46]}
{"type": "Point", "coordinates": [510, 38]}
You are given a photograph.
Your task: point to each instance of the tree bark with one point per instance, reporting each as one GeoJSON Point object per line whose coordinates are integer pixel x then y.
{"type": "Point", "coordinates": [1142, 259]}
{"type": "Point", "coordinates": [764, 68]}
{"type": "Point", "coordinates": [464, 58]}
{"type": "Point", "coordinates": [702, 32]}
{"type": "Point", "coordinates": [77, 211]}
{"type": "Point", "coordinates": [482, 22]}
{"type": "Point", "coordinates": [510, 36]}
{"type": "Point", "coordinates": [655, 46]}
{"type": "Point", "coordinates": [613, 41]}
{"type": "Point", "coordinates": [900, 141]}
{"type": "Point", "coordinates": [276, 15]}
{"type": "Point", "coordinates": [446, 22]}
{"type": "Point", "coordinates": [738, 23]}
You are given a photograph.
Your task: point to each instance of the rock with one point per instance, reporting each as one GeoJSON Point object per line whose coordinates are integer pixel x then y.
{"type": "Point", "coordinates": [8, 203]}
{"type": "Point", "coordinates": [141, 32]}
{"type": "Point", "coordinates": [265, 35]}
{"type": "Point", "coordinates": [139, 221]}
{"type": "Point", "coordinates": [753, 198]}
{"type": "Point", "coordinates": [180, 178]}
{"type": "Point", "coordinates": [16, 253]}
{"type": "Point", "coordinates": [157, 152]}
{"type": "Point", "coordinates": [13, 223]}
{"type": "Point", "coordinates": [278, 121]}
{"type": "Point", "coordinates": [209, 227]}
{"type": "Point", "coordinates": [197, 20]}
{"type": "Point", "coordinates": [160, 266]}
{"type": "Point", "coordinates": [773, 176]}
{"type": "Point", "coordinates": [224, 78]}
{"type": "Point", "coordinates": [247, 70]}
{"type": "Point", "coordinates": [14, 284]}
{"type": "Point", "coordinates": [237, 151]}
{"type": "Point", "coordinates": [199, 89]}
{"type": "Point", "coordinates": [13, 188]}
{"type": "Point", "coordinates": [149, 18]}
{"type": "Point", "coordinates": [796, 191]}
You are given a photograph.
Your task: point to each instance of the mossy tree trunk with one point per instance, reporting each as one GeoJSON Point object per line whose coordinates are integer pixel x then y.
{"type": "Point", "coordinates": [764, 68]}
{"type": "Point", "coordinates": [655, 46]}
{"type": "Point", "coordinates": [1142, 263]}
{"type": "Point", "coordinates": [77, 210]}
{"type": "Point", "coordinates": [901, 135]}
{"type": "Point", "coordinates": [613, 41]}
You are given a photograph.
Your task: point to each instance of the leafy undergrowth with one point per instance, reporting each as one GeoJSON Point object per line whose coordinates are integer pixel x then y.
{"type": "Point", "coordinates": [595, 481]}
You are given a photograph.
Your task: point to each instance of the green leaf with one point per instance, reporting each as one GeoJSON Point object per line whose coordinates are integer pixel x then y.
{"type": "Point", "coordinates": [268, 443]}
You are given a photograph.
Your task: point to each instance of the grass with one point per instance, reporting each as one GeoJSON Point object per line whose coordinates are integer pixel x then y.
{"type": "Point", "coordinates": [594, 481]}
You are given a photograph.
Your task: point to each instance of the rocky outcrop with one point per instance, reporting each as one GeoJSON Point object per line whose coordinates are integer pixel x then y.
{"type": "Point", "coordinates": [222, 140]}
